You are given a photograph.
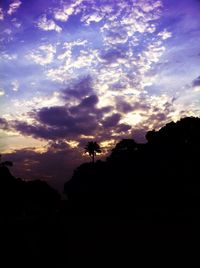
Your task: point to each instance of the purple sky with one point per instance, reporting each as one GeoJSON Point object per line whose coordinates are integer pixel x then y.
{"type": "Point", "coordinates": [78, 70]}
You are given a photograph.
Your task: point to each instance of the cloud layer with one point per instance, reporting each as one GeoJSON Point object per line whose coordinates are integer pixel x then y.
{"type": "Point", "coordinates": [79, 70]}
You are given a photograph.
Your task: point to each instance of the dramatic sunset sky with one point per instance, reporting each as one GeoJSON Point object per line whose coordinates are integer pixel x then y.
{"type": "Point", "coordinates": [79, 70]}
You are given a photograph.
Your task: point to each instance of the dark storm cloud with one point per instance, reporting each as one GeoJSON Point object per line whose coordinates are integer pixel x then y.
{"type": "Point", "coordinates": [140, 106]}
{"type": "Point", "coordinates": [58, 145]}
{"type": "Point", "coordinates": [122, 128]}
{"type": "Point", "coordinates": [83, 124]}
{"type": "Point", "coordinates": [111, 121]}
{"type": "Point", "coordinates": [66, 121]}
{"type": "Point", "coordinates": [55, 116]}
{"type": "Point", "coordinates": [159, 117]}
{"type": "Point", "coordinates": [39, 131]}
{"type": "Point", "coordinates": [61, 122]}
{"type": "Point", "coordinates": [90, 101]}
{"type": "Point", "coordinates": [196, 82]}
{"type": "Point", "coordinates": [3, 124]}
{"type": "Point", "coordinates": [124, 107]}
{"type": "Point", "coordinates": [105, 110]}
{"type": "Point", "coordinates": [86, 105]}
{"type": "Point", "coordinates": [80, 89]}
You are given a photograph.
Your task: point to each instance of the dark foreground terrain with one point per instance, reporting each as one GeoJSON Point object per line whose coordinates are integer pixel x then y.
{"type": "Point", "coordinates": [138, 208]}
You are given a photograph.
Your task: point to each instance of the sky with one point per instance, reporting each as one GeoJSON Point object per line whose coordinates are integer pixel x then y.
{"type": "Point", "coordinates": [72, 71]}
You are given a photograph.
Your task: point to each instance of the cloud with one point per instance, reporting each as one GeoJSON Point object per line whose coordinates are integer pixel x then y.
{"type": "Point", "coordinates": [63, 128]}
{"type": "Point", "coordinates": [113, 32]}
{"type": "Point", "coordinates": [89, 102]}
{"type": "Point", "coordinates": [123, 106]}
{"type": "Point", "coordinates": [68, 127]}
{"type": "Point", "coordinates": [116, 37]}
{"type": "Point", "coordinates": [86, 105]}
{"type": "Point", "coordinates": [48, 24]}
{"type": "Point", "coordinates": [54, 116]}
{"type": "Point", "coordinates": [196, 84]}
{"type": "Point", "coordinates": [138, 134]}
{"type": "Point", "coordinates": [43, 55]}
{"type": "Point", "coordinates": [113, 55]}
{"type": "Point", "coordinates": [118, 60]}
{"type": "Point", "coordinates": [3, 124]}
{"type": "Point", "coordinates": [2, 92]}
{"type": "Point", "coordinates": [111, 121]}
{"type": "Point", "coordinates": [69, 121]}
{"type": "Point", "coordinates": [94, 17]}
{"type": "Point", "coordinates": [165, 34]}
{"type": "Point", "coordinates": [110, 73]}
{"type": "Point", "coordinates": [105, 121]}
{"type": "Point", "coordinates": [139, 104]}
{"type": "Point", "coordinates": [66, 10]}
{"type": "Point", "coordinates": [8, 31]}
{"type": "Point", "coordinates": [37, 102]}
{"type": "Point", "coordinates": [15, 85]}
{"type": "Point", "coordinates": [70, 64]}
{"type": "Point", "coordinates": [79, 89]}
{"type": "Point", "coordinates": [1, 14]}
{"type": "Point", "coordinates": [14, 6]}
{"type": "Point", "coordinates": [5, 56]}
{"type": "Point", "coordinates": [123, 128]}
{"type": "Point", "coordinates": [16, 23]}
{"type": "Point", "coordinates": [64, 13]}
{"type": "Point", "coordinates": [62, 122]}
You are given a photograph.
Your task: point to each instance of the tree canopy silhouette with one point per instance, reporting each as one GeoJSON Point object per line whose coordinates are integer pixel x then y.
{"type": "Point", "coordinates": [123, 150]}
{"type": "Point", "coordinates": [163, 172]}
{"type": "Point", "coordinates": [92, 148]}
{"type": "Point", "coordinates": [21, 200]}
{"type": "Point", "coordinates": [5, 163]}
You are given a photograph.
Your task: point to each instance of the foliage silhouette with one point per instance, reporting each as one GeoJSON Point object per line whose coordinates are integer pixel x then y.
{"type": "Point", "coordinates": [5, 163]}
{"type": "Point", "coordinates": [123, 150]}
{"type": "Point", "coordinates": [92, 148]}
{"type": "Point", "coordinates": [163, 174]}
{"type": "Point", "coordinates": [21, 200]}
{"type": "Point", "coordinates": [135, 193]}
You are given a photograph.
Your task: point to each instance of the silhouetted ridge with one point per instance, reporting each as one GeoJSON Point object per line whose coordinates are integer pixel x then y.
{"type": "Point", "coordinates": [141, 195]}
{"type": "Point", "coordinates": [185, 131]}
{"type": "Point", "coordinates": [162, 173]}
{"type": "Point", "coordinates": [21, 200]}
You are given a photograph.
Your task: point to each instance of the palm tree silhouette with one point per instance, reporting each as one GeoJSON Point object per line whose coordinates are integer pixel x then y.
{"type": "Point", "coordinates": [92, 148]}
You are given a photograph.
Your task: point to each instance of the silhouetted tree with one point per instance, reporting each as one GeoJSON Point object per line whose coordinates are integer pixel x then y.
{"type": "Point", "coordinates": [163, 173]}
{"type": "Point", "coordinates": [92, 148]}
{"type": "Point", "coordinates": [123, 149]}
{"type": "Point", "coordinates": [5, 163]}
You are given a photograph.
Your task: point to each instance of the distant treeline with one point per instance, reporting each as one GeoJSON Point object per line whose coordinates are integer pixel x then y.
{"type": "Point", "coordinates": [139, 203]}
{"type": "Point", "coordinates": [163, 173]}
{"type": "Point", "coordinates": [21, 200]}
